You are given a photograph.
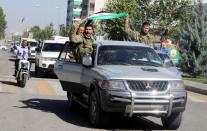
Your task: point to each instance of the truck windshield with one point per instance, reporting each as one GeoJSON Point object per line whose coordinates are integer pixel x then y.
{"type": "Point", "coordinates": [53, 47]}
{"type": "Point", "coordinates": [33, 44]}
{"type": "Point", "coordinates": [128, 55]}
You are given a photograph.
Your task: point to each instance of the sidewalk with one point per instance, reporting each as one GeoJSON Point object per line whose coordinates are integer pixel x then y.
{"type": "Point", "coordinates": [196, 87]}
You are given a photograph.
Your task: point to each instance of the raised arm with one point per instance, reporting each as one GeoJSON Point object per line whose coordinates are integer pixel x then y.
{"type": "Point", "coordinates": [133, 34]}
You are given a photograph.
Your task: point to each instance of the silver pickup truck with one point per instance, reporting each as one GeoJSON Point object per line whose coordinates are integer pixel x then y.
{"type": "Point", "coordinates": [123, 77]}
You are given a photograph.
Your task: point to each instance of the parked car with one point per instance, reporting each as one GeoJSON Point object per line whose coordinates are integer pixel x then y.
{"type": "Point", "coordinates": [2, 47]}
{"type": "Point", "coordinates": [123, 77]}
{"type": "Point", "coordinates": [46, 56]}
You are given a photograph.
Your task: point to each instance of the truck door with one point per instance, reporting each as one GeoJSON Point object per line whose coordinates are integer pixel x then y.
{"type": "Point", "coordinates": [68, 72]}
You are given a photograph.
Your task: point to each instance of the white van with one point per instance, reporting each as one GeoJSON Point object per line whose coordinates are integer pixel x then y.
{"type": "Point", "coordinates": [47, 55]}
{"type": "Point", "coordinates": [34, 45]}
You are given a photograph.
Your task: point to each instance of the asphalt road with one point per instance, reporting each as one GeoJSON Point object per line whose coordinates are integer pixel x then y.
{"type": "Point", "coordinates": [42, 106]}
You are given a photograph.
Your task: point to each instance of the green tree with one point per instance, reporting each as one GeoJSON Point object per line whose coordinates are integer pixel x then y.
{"type": "Point", "coordinates": [36, 31]}
{"type": "Point", "coordinates": [115, 28]}
{"type": "Point", "coordinates": [171, 15]}
{"type": "Point", "coordinates": [64, 30]}
{"type": "Point", "coordinates": [164, 15]}
{"type": "Point", "coordinates": [48, 32]}
{"type": "Point", "coordinates": [2, 23]}
{"type": "Point", "coordinates": [43, 34]}
{"type": "Point", "coordinates": [194, 42]}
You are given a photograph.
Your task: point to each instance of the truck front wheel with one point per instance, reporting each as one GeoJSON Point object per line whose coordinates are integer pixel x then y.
{"type": "Point", "coordinates": [173, 121]}
{"type": "Point", "coordinates": [97, 116]}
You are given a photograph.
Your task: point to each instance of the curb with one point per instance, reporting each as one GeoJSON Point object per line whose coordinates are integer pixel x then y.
{"type": "Point", "coordinates": [196, 90]}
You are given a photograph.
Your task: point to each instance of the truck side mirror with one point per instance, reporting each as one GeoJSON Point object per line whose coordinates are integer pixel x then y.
{"type": "Point", "coordinates": [87, 60]}
{"type": "Point", "coordinates": [37, 49]}
{"type": "Point", "coordinates": [167, 63]}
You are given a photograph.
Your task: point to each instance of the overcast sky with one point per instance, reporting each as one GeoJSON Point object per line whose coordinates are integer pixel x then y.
{"type": "Point", "coordinates": [36, 12]}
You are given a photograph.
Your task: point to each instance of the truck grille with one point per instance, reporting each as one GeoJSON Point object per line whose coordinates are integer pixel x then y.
{"type": "Point", "coordinates": [147, 85]}
{"type": "Point", "coordinates": [51, 66]}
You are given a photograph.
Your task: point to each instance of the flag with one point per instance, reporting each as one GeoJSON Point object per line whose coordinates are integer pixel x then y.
{"type": "Point", "coordinates": [105, 16]}
{"type": "Point", "coordinates": [23, 19]}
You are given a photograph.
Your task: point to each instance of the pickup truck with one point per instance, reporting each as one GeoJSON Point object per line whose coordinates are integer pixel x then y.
{"type": "Point", "coordinates": [123, 77]}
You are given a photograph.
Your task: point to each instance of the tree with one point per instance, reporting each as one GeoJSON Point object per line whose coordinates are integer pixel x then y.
{"type": "Point", "coordinates": [194, 42]}
{"type": "Point", "coordinates": [64, 30]}
{"type": "Point", "coordinates": [170, 15]}
{"type": "Point", "coordinates": [48, 32]}
{"type": "Point", "coordinates": [164, 15]}
{"type": "Point", "coordinates": [115, 28]}
{"type": "Point", "coordinates": [36, 31]}
{"type": "Point", "coordinates": [43, 34]}
{"type": "Point", "coordinates": [2, 23]}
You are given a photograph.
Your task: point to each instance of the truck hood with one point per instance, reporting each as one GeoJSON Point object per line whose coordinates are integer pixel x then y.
{"type": "Point", "coordinates": [137, 72]}
{"type": "Point", "coordinates": [50, 54]}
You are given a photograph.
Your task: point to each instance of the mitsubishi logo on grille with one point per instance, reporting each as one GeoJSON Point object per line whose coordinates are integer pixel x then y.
{"type": "Point", "coordinates": [148, 86]}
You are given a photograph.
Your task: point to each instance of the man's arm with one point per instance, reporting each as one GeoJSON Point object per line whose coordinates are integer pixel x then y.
{"type": "Point", "coordinates": [74, 36]}
{"type": "Point", "coordinates": [133, 34]}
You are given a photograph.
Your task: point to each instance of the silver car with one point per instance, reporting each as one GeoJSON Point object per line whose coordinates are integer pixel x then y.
{"type": "Point", "coordinates": [123, 77]}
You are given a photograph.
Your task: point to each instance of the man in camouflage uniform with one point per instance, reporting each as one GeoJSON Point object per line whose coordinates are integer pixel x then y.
{"type": "Point", "coordinates": [143, 36]}
{"type": "Point", "coordinates": [84, 42]}
{"type": "Point", "coordinates": [76, 33]}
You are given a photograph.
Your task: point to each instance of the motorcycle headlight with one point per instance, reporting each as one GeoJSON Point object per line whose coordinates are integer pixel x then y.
{"type": "Point", "coordinates": [112, 84]}
{"type": "Point", "coordinates": [177, 86]}
{"type": "Point", "coordinates": [24, 65]}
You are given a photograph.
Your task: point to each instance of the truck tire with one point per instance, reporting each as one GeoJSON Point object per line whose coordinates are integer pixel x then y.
{"type": "Point", "coordinates": [97, 116]}
{"type": "Point", "coordinates": [72, 104]}
{"type": "Point", "coordinates": [173, 121]}
{"type": "Point", "coordinates": [36, 69]}
{"type": "Point", "coordinates": [38, 73]}
{"type": "Point", "coordinates": [24, 80]}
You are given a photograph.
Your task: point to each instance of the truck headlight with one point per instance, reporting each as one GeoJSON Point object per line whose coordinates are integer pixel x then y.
{"type": "Point", "coordinates": [112, 84]}
{"type": "Point", "coordinates": [177, 86]}
{"type": "Point", "coordinates": [46, 58]}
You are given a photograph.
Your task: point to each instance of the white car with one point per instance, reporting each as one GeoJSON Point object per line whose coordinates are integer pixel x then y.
{"type": "Point", "coordinates": [2, 47]}
{"type": "Point", "coordinates": [47, 55]}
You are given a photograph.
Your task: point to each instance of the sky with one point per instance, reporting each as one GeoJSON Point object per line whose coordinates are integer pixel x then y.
{"type": "Point", "coordinates": [34, 12]}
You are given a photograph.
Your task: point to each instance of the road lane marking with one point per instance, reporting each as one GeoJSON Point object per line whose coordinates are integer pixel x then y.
{"type": "Point", "coordinates": [57, 87]}
{"type": "Point", "coordinates": [43, 87]}
{"type": "Point", "coordinates": [197, 97]}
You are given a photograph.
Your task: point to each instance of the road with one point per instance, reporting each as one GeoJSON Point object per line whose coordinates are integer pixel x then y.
{"type": "Point", "coordinates": [42, 106]}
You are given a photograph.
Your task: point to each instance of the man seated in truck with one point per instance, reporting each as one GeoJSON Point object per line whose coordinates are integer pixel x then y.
{"type": "Point", "coordinates": [82, 41]}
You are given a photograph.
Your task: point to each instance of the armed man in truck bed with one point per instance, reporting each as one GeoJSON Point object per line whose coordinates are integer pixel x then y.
{"type": "Point", "coordinates": [82, 40]}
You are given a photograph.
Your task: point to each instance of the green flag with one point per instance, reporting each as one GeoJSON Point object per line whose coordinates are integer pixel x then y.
{"type": "Point", "coordinates": [105, 16]}
{"type": "Point", "coordinates": [174, 54]}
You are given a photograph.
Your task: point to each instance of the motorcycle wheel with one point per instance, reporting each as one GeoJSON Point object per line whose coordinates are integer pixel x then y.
{"type": "Point", "coordinates": [24, 80]}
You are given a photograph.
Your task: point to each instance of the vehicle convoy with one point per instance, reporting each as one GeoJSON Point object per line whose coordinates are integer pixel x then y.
{"type": "Point", "coordinates": [123, 77]}
{"type": "Point", "coordinates": [47, 55]}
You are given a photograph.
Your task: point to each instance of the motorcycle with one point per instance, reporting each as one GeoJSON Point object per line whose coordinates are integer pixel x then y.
{"type": "Point", "coordinates": [23, 73]}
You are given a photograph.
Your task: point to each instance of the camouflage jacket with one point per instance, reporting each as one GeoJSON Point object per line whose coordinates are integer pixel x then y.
{"type": "Point", "coordinates": [142, 38]}
{"type": "Point", "coordinates": [75, 38]}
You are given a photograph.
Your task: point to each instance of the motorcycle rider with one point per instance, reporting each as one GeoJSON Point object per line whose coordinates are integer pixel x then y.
{"type": "Point", "coordinates": [22, 52]}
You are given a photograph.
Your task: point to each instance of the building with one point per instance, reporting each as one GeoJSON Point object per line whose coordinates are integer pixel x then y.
{"type": "Point", "coordinates": [79, 9]}
{"type": "Point", "coordinates": [73, 11]}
